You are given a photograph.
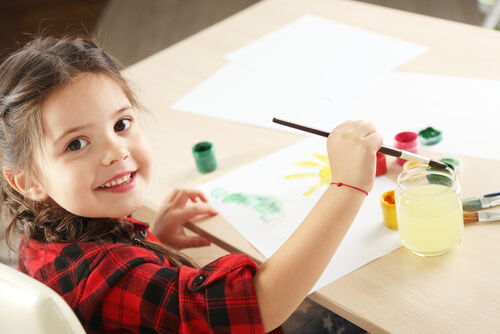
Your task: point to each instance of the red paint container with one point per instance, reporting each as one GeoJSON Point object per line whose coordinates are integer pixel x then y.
{"type": "Point", "coordinates": [407, 141]}
{"type": "Point", "coordinates": [381, 164]}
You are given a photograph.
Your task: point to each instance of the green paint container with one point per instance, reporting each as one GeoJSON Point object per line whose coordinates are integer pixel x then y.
{"type": "Point", "coordinates": [430, 136]}
{"type": "Point", "coordinates": [204, 157]}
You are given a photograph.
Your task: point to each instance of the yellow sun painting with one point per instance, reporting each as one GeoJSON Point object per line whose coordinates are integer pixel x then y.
{"type": "Point", "coordinates": [324, 173]}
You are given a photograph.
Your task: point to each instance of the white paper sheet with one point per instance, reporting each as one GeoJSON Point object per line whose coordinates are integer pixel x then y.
{"type": "Point", "coordinates": [465, 109]}
{"type": "Point", "coordinates": [266, 207]}
{"type": "Point", "coordinates": [324, 56]}
{"type": "Point", "coordinates": [239, 94]}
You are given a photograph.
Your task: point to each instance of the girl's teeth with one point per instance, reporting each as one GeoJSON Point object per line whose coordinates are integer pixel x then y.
{"type": "Point", "coordinates": [120, 180]}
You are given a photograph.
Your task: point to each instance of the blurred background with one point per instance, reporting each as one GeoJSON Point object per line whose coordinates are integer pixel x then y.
{"type": "Point", "coordinates": [134, 29]}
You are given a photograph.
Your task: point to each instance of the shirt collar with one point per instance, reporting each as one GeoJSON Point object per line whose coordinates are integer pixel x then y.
{"type": "Point", "coordinates": [138, 225]}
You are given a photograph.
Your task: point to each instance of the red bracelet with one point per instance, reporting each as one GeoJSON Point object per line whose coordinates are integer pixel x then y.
{"type": "Point", "coordinates": [339, 184]}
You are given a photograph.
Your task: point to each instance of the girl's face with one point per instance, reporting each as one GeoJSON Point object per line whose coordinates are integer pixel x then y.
{"type": "Point", "coordinates": [96, 160]}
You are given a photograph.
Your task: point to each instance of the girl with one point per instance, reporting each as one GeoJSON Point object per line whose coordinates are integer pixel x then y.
{"type": "Point", "coordinates": [75, 167]}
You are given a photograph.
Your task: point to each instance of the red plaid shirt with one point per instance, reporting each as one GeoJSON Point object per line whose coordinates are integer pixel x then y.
{"type": "Point", "coordinates": [117, 288]}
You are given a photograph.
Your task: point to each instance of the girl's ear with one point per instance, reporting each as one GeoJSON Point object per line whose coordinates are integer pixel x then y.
{"type": "Point", "coordinates": [21, 182]}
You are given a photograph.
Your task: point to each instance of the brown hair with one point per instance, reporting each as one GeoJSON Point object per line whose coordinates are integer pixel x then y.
{"type": "Point", "coordinates": [27, 77]}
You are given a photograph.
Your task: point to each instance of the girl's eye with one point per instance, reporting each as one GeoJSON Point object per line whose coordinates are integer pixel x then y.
{"type": "Point", "coordinates": [77, 144]}
{"type": "Point", "coordinates": [122, 125]}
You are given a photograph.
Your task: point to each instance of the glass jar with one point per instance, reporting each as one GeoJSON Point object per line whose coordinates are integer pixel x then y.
{"type": "Point", "coordinates": [429, 210]}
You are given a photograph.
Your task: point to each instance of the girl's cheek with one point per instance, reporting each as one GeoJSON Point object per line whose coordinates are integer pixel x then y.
{"type": "Point", "coordinates": [148, 149]}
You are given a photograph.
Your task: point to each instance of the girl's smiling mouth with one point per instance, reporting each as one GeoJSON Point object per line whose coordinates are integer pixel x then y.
{"type": "Point", "coordinates": [120, 183]}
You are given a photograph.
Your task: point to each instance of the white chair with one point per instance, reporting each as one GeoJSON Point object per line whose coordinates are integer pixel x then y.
{"type": "Point", "coordinates": [29, 306]}
{"type": "Point", "coordinates": [491, 8]}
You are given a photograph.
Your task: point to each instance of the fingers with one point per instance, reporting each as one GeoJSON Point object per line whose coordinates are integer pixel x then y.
{"type": "Point", "coordinates": [355, 132]}
{"type": "Point", "coordinates": [375, 141]}
{"type": "Point", "coordinates": [368, 132]}
{"type": "Point", "coordinates": [196, 210]}
{"type": "Point", "coordinates": [175, 206]}
{"type": "Point", "coordinates": [360, 129]}
{"type": "Point", "coordinates": [180, 196]}
{"type": "Point", "coordinates": [172, 196]}
{"type": "Point", "coordinates": [183, 195]}
{"type": "Point", "coordinates": [352, 148]}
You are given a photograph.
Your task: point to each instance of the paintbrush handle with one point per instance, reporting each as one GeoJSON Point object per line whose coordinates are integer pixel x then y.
{"type": "Point", "coordinates": [487, 202]}
{"type": "Point", "coordinates": [301, 127]}
{"type": "Point", "coordinates": [394, 152]}
{"type": "Point", "coordinates": [485, 216]}
{"type": "Point", "coordinates": [383, 149]}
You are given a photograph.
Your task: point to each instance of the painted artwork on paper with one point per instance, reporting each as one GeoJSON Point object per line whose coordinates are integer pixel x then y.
{"type": "Point", "coordinates": [266, 200]}
{"type": "Point", "coordinates": [324, 174]}
{"type": "Point", "coordinates": [270, 207]}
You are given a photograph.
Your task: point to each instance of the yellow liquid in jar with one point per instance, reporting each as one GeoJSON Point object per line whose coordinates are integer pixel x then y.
{"type": "Point", "coordinates": [430, 219]}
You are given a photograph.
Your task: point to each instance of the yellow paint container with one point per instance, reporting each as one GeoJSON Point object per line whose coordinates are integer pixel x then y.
{"type": "Point", "coordinates": [410, 164]}
{"type": "Point", "coordinates": [387, 201]}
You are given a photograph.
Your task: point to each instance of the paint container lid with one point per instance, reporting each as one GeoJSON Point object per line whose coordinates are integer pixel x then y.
{"type": "Point", "coordinates": [388, 204]}
{"type": "Point", "coordinates": [204, 157]}
{"type": "Point", "coordinates": [407, 141]}
{"type": "Point", "coordinates": [381, 164]}
{"type": "Point", "coordinates": [430, 136]}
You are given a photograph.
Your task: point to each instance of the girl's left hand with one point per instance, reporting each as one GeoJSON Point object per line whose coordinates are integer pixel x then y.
{"type": "Point", "coordinates": [175, 213]}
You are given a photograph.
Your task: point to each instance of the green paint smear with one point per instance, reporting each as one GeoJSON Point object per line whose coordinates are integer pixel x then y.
{"type": "Point", "coordinates": [270, 207]}
{"type": "Point", "coordinates": [218, 192]}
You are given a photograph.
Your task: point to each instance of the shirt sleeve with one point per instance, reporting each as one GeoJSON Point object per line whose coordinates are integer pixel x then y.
{"type": "Point", "coordinates": [217, 298]}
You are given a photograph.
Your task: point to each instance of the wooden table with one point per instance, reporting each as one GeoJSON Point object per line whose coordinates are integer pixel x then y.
{"type": "Point", "coordinates": [400, 292]}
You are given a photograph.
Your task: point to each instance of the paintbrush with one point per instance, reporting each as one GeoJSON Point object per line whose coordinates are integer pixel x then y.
{"type": "Point", "coordinates": [481, 202]}
{"type": "Point", "coordinates": [383, 149]}
{"type": "Point", "coordinates": [480, 216]}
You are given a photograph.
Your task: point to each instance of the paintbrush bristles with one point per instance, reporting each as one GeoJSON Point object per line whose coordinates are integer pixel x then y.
{"type": "Point", "coordinates": [437, 164]}
{"type": "Point", "coordinates": [470, 217]}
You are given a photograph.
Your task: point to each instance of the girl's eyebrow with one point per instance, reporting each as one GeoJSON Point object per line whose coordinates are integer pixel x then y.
{"type": "Point", "coordinates": [70, 131]}
{"type": "Point", "coordinates": [86, 126]}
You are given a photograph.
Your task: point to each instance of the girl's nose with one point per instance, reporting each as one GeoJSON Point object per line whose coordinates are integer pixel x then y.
{"type": "Point", "coordinates": [115, 151]}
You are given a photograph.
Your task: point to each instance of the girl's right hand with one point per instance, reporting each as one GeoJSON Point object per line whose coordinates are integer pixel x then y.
{"type": "Point", "coordinates": [286, 278]}
{"type": "Point", "coordinates": [352, 148]}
